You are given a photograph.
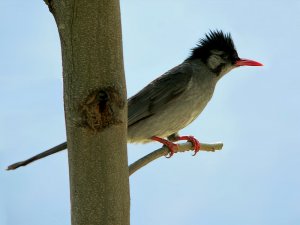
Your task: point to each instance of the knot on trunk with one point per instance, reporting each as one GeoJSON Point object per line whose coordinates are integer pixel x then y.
{"type": "Point", "coordinates": [102, 108]}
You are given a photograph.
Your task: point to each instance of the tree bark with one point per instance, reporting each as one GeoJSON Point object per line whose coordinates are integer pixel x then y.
{"type": "Point", "coordinates": [95, 109]}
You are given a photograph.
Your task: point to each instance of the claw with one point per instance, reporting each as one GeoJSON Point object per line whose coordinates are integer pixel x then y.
{"type": "Point", "coordinates": [170, 145]}
{"type": "Point", "coordinates": [193, 140]}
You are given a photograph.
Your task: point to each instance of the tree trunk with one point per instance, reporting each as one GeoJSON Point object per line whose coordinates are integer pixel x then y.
{"type": "Point", "coordinates": [95, 109]}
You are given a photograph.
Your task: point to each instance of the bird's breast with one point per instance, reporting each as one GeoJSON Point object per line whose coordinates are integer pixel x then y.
{"type": "Point", "coordinates": [175, 114]}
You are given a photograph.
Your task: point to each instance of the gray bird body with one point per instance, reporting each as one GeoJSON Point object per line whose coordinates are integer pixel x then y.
{"type": "Point", "coordinates": [170, 102]}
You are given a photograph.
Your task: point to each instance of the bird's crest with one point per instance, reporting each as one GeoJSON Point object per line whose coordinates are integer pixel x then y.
{"type": "Point", "coordinates": [214, 40]}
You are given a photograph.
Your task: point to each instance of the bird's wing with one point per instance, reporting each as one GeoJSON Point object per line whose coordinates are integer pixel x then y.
{"type": "Point", "coordinates": [155, 95]}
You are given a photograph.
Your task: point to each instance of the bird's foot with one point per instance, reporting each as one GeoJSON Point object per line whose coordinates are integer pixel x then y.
{"type": "Point", "coordinates": [170, 145]}
{"type": "Point", "coordinates": [193, 140]}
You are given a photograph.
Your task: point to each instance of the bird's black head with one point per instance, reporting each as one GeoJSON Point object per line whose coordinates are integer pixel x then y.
{"type": "Point", "coordinates": [217, 51]}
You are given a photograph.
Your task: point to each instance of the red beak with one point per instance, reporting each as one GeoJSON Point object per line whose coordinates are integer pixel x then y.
{"type": "Point", "coordinates": [247, 62]}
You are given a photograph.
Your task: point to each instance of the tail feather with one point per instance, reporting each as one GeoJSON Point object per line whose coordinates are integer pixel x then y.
{"type": "Point", "coordinates": [44, 154]}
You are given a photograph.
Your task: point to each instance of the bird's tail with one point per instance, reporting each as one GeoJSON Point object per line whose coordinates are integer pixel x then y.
{"type": "Point", "coordinates": [44, 154]}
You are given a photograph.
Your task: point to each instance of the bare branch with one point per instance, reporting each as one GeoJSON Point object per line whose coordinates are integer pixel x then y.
{"type": "Point", "coordinates": [165, 151]}
{"type": "Point", "coordinates": [134, 166]}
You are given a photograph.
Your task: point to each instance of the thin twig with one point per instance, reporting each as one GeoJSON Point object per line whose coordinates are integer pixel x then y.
{"type": "Point", "coordinates": [165, 151]}
{"type": "Point", "coordinates": [134, 166]}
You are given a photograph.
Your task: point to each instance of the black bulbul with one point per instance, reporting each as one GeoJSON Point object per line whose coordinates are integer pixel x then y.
{"type": "Point", "coordinates": [176, 98]}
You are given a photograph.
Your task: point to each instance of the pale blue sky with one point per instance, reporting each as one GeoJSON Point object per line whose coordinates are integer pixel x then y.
{"type": "Point", "coordinates": [255, 112]}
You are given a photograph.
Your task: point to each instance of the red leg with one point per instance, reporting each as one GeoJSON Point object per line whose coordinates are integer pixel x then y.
{"type": "Point", "coordinates": [193, 140]}
{"type": "Point", "coordinates": [170, 145]}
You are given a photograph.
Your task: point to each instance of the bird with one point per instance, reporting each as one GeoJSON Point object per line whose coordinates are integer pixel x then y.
{"type": "Point", "coordinates": [175, 99]}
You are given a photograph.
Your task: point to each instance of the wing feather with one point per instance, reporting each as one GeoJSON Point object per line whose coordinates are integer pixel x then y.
{"type": "Point", "coordinates": [161, 91]}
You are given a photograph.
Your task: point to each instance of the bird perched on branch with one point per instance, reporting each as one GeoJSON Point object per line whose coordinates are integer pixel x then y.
{"type": "Point", "coordinates": [175, 99]}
